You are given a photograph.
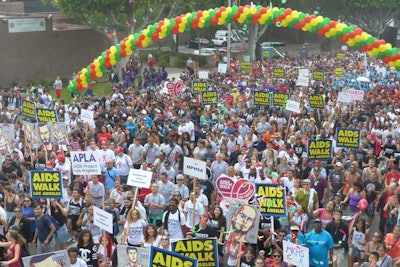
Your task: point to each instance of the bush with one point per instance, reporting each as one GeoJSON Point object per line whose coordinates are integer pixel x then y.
{"type": "Point", "coordinates": [161, 56]}
{"type": "Point", "coordinates": [182, 58]}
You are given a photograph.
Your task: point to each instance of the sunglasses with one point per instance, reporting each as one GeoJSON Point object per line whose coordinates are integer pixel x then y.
{"type": "Point", "coordinates": [276, 256]}
{"type": "Point", "coordinates": [18, 211]}
{"type": "Point", "coordinates": [164, 239]}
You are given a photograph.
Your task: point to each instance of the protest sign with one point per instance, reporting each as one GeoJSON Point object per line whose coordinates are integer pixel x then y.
{"type": "Point", "coordinates": [204, 250]}
{"type": "Point", "coordinates": [279, 73]}
{"type": "Point", "coordinates": [7, 136]}
{"type": "Point", "coordinates": [293, 106]}
{"type": "Point", "coordinates": [87, 116]}
{"type": "Point", "coordinates": [235, 191]}
{"type": "Point", "coordinates": [164, 258]}
{"type": "Point", "coordinates": [295, 255]}
{"type": "Point", "coordinates": [59, 135]}
{"type": "Point", "coordinates": [271, 199]}
{"type": "Point", "coordinates": [45, 184]}
{"type": "Point", "coordinates": [209, 98]}
{"type": "Point", "coordinates": [103, 219]}
{"type": "Point", "coordinates": [261, 98]}
{"type": "Point", "coordinates": [194, 167]}
{"type": "Point", "coordinates": [267, 53]}
{"type": "Point", "coordinates": [133, 256]}
{"type": "Point", "coordinates": [85, 163]}
{"type": "Point", "coordinates": [139, 178]}
{"type": "Point", "coordinates": [348, 137]}
{"type": "Point", "coordinates": [203, 74]}
{"type": "Point", "coordinates": [338, 72]}
{"type": "Point", "coordinates": [28, 109]}
{"type": "Point", "coordinates": [199, 87]}
{"type": "Point", "coordinates": [246, 66]}
{"type": "Point", "coordinates": [280, 99]}
{"type": "Point", "coordinates": [355, 94]}
{"type": "Point", "coordinates": [52, 259]}
{"type": "Point", "coordinates": [319, 75]}
{"type": "Point", "coordinates": [319, 149]}
{"type": "Point", "coordinates": [344, 97]}
{"type": "Point", "coordinates": [303, 78]}
{"type": "Point", "coordinates": [243, 222]}
{"type": "Point", "coordinates": [340, 56]}
{"type": "Point", "coordinates": [316, 101]}
{"type": "Point", "coordinates": [46, 115]}
{"type": "Point", "coordinates": [222, 68]}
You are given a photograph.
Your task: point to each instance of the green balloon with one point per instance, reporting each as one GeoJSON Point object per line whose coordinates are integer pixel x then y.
{"type": "Point", "coordinates": [117, 57]}
{"type": "Point", "coordinates": [89, 79]}
{"type": "Point", "coordinates": [326, 21]}
{"type": "Point", "coordinates": [103, 54]}
{"type": "Point", "coordinates": [395, 50]}
{"type": "Point", "coordinates": [235, 9]}
{"type": "Point", "coordinates": [118, 47]}
{"type": "Point", "coordinates": [302, 16]}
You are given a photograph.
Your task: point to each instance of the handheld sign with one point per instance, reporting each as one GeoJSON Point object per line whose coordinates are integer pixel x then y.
{"type": "Point", "coordinates": [209, 98]}
{"type": "Point", "coordinates": [124, 252]}
{"type": "Point", "coordinates": [303, 78]}
{"type": "Point", "coordinates": [280, 99]}
{"type": "Point", "coordinates": [319, 75]}
{"type": "Point", "coordinates": [355, 94]}
{"type": "Point", "coordinates": [103, 219]}
{"type": "Point", "coordinates": [199, 87]}
{"type": "Point", "coordinates": [203, 74]}
{"type": "Point", "coordinates": [28, 109]}
{"type": "Point", "coordinates": [271, 199]}
{"type": "Point", "coordinates": [45, 184]}
{"type": "Point", "coordinates": [319, 149]}
{"type": "Point", "coordinates": [246, 66]}
{"type": "Point", "coordinates": [51, 259]}
{"type": "Point", "coordinates": [46, 115]}
{"type": "Point", "coordinates": [338, 72]}
{"type": "Point", "coordinates": [316, 101]}
{"type": "Point", "coordinates": [293, 106]}
{"type": "Point", "coordinates": [261, 98]}
{"type": "Point", "coordinates": [348, 138]}
{"type": "Point", "coordinates": [295, 255]}
{"type": "Point", "coordinates": [279, 73]}
{"type": "Point", "coordinates": [195, 168]}
{"type": "Point", "coordinates": [139, 178]}
{"type": "Point", "coordinates": [204, 250]}
{"type": "Point", "coordinates": [87, 116]}
{"type": "Point", "coordinates": [85, 163]}
{"type": "Point", "coordinates": [164, 258]}
{"type": "Point", "coordinates": [235, 191]}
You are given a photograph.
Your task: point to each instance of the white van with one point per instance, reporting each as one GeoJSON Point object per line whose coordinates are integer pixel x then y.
{"type": "Point", "coordinates": [224, 33]}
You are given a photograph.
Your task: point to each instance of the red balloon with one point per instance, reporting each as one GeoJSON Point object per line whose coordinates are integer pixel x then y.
{"type": "Point", "coordinates": [321, 32]}
{"type": "Point", "coordinates": [386, 59]}
{"type": "Point", "coordinates": [288, 11]}
{"type": "Point", "coordinates": [108, 51]}
{"type": "Point", "coordinates": [300, 25]}
{"type": "Point", "coordinates": [240, 9]}
{"type": "Point", "coordinates": [362, 204]}
{"type": "Point", "coordinates": [92, 66]}
{"type": "Point", "coordinates": [264, 10]}
{"type": "Point", "coordinates": [178, 20]}
{"type": "Point", "coordinates": [80, 87]}
{"type": "Point", "coordinates": [352, 34]}
{"type": "Point", "coordinates": [78, 80]}
{"type": "Point", "coordinates": [123, 54]}
{"type": "Point", "coordinates": [222, 8]}
{"type": "Point", "coordinates": [107, 64]}
{"type": "Point", "coordinates": [333, 24]}
{"type": "Point", "coordinates": [199, 14]}
{"type": "Point", "coordinates": [214, 21]}
{"type": "Point", "coordinates": [358, 31]}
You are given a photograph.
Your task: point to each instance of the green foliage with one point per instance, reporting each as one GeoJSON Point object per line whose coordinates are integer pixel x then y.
{"type": "Point", "coordinates": [161, 56]}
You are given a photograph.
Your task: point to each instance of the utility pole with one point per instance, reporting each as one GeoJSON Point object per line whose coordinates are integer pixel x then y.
{"type": "Point", "coordinates": [228, 46]}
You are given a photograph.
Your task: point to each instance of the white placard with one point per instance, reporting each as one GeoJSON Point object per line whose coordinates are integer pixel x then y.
{"type": "Point", "coordinates": [295, 255]}
{"type": "Point", "coordinates": [194, 167]}
{"type": "Point", "coordinates": [355, 94]}
{"type": "Point", "coordinates": [85, 163]}
{"type": "Point", "coordinates": [293, 106]}
{"type": "Point", "coordinates": [203, 74]}
{"type": "Point", "coordinates": [222, 68]}
{"type": "Point", "coordinates": [26, 25]}
{"type": "Point", "coordinates": [343, 97]}
{"type": "Point", "coordinates": [344, 47]}
{"type": "Point", "coordinates": [87, 116]}
{"type": "Point", "coordinates": [103, 219]}
{"type": "Point", "coordinates": [304, 77]}
{"type": "Point", "coordinates": [139, 178]}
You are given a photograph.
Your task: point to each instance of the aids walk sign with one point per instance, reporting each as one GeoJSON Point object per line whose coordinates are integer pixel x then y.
{"type": "Point", "coordinates": [164, 258]}
{"type": "Point", "coordinates": [46, 115]}
{"type": "Point", "coordinates": [271, 199]}
{"type": "Point", "coordinates": [45, 184]}
{"type": "Point", "coordinates": [28, 109]}
{"type": "Point", "coordinates": [320, 149]}
{"type": "Point", "coordinates": [316, 101]}
{"type": "Point", "coordinates": [348, 138]}
{"type": "Point", "coordinates": [204, 250]}
{"type": "Point", "coordinates": [261, 98]}
{"type": "Point", "coordinates": [209, 98]}
{"type": "Point", "coordinates": [199, 87]}
{"type": "Point", "coordinates": [280, 99]}
{"type": "Point", "coordinates": [85, 163]}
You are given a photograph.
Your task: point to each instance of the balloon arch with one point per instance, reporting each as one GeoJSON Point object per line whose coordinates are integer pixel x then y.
{"type": "Point", "coordinates": [349, 34]}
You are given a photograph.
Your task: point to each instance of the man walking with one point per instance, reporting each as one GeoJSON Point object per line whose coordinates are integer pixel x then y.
{"type": "Point", "coordinates": [44, 234]}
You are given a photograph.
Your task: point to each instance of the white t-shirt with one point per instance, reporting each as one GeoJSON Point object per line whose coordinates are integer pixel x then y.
{"type": "Point", "coordinates": [104, 156]}
{"type": "Point", "coordinates": [189, 210]}
{"type": "Point", "coordinates": [174, 227]}
{"type": "Point", "coordinates": [79, 263]}
{"type": "Point", "coordinates": [135, 231]}
{"type": "Point", "coordinates": [123, 164]}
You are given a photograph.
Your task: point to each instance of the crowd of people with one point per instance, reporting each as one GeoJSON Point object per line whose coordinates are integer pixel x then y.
{"type": "Point", "coordinates": [152, 129]}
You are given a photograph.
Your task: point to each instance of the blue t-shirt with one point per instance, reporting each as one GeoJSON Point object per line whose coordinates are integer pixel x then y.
{"type": "Point", "coordinates": [43, 228]}
{"type": "Point", "coordinates": [319, 244]}
{"type": "Point", "coordinates": [110, 177]}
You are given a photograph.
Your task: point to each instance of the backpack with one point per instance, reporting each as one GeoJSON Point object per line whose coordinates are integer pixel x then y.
{"type": "Point", "coordinates": [54, 222]}
{"type": "Point", "coordinates": [166, 219]}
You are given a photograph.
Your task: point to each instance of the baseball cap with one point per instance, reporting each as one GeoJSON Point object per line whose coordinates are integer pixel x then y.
{"type": "Point", "coordinates": [61, 158]}
{"type": "Point", "coordinates": [394, 167]}
{"type": "Point", "coordinates": [65, 178]}
{"type": "Point", "coordinates": [120, 149]}
{"type": "Point", "coordinates": [294, 228]}
{"type": "Point", "coordinates": [50, 163]}
{"type": "Point", "coordinates": [14, 228]}
{"type": "Point", "coordinates": [339, 195]}
{"type": "Point", "coordinates": [317, 220]}
{"type": "Point", "coordinates": [339, 164]}
{"type": "Point", "coordinates": [306, 181]}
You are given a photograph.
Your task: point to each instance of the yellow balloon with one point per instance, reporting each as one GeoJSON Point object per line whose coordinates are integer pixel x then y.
{"type": "Point", "coordinates": [84, 70]}
{"type": "Point", "coordinates": [295, 13]}
{"type": "Point", "coordinates": [145, 43]}
{"type": "Point", "coordinates": [113, 49]}
{"type": "Point", "coordinates": [224, 15]}
{"type": "Point", "coordinates": [382, 48]}
{"type": "Point", "coordinates": [375, 51]}
{"type": "Point", "coordinates": [229, 9]}
{"type": "Point", "coordinates": [184, 20]}
{"type": "Point", "coordinates": [164, 28]}
{"type": "Point", "coordinates": [328, 34]}
{"type": "Point", "coordinates": [96, 62]}
{"type": "Point", "coordinates": [392, 63]}
{"type": "Point", "coordinates": [98, 74]}
{"type": "Point", "coordinates": [262, 21]}
{"type": "Point", "coordinates": [253, 10]}
{"type": "Point", "coordinates": [128, 44]}
{"type": "Point", "coordinates": [113, 61]}
{"type": "Point", "coordinates": [82, 77]}
{"type": "Point", "coordinates": [84, 83]}
{"type": "Point", "coordinates": [128, 50]}
{"type": "Point", "coordinates": [397, 63]}
{"type": "Point", "coordinates": [269, 13]}
{"type": "Point", "coordinates": [314, 22]}
{"type": "Point", "coordinates": [388, 46]}
{"type": "Point", "coordinates": [275, 9]}
{"type": "Point", "coordinates": [201, 25]}
{"type": "Point", "coordinates": [351, 42]}
{"type": "Point", "coordinates": [181, 29]}
{"type": "Point", "coordinates": [370, 53]}
{"type": "Point", "coordinates": [357, 38]}
{"type": "Point", "coordinates": [246, 11]}
{"type": "Point", "coordinates": [320, 19]}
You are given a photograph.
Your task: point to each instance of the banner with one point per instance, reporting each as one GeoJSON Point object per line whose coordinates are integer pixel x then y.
{"type": "Point", "coordinates": [303, 78]}
{"type": "Point", "coordinates": [266, 53]}
{"type": "Point", "coordinates": [59, 135]}
{"type": "Point", "coordinates": [28, 109]}
{"type": "Point", "coordinates": [85, 163]}
{"type": "Point", "coordinates": [319, 75]}
{"type": "Point", "coordinates": [194, 167]}
{"type": "Point", "coordinates": [204, 250]}
{"type": "Point", "coordinates": [164, 258]}
{"type": "Point", "coordinates": [271, 199]}
{"type": "Point", "coordinates": [46, 115]}
{"type": "Point", "coordinates": [199, 87]}
{"type": "Point", "coordinates": [31, 135]}
{"type": "Point", "coordinates": [53, 259]}
{"type": "Point", "coordinates": [234, 191]}
{"type": "Point", "coordinates": [45, 184]}
{"type": "Point", "coordinates": [355, 94]}
{"type": "Point", "coordinates": [316, 101]}
{"type": "Point", "coordinates": [133, 256]}
{"type": "Point", "coordinates": [209, 98]}
{"type": "Point", "coordinates": [279, 73]}
{"type": "Point", "coordinates": [319, 149]}
{"type": "Point", "coordinates": [261, 98]}
{"type": "Point", "coordinates": [246, 66]}
{"type": "Point", "coordinates": [295, 255]}
{"type": "Point", "coordinates": [280, 99]}
{"type": "Point", "coordinates": [338, 72]}
{"type": "Point", "coordinates": [348, 137]}
{"type": "Point", "coordinates": [243, 223]}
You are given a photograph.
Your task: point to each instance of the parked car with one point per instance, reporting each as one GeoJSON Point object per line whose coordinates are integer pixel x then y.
{"type": "Point", "coordinates": [269, 44]}
{"type": "Point", "coordinates": [235, 48]}
{"type": "Point", "coordinates": [205, 51]}
{"type": "Point", "coordinates": [199, 42]}
{"type": "Point", "coordinates": [222, 41]}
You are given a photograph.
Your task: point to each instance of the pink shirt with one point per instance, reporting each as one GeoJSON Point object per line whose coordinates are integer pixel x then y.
{"type": "Point", "coordinates": [325, 219]}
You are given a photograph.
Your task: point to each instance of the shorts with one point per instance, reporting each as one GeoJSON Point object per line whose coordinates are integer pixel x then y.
{"type": "Point", "coordinates": [74, 220]}
{"type": "Point", "coordinates": [357, 255]}
{"type": "Point", "coordinates": [62, 234]}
